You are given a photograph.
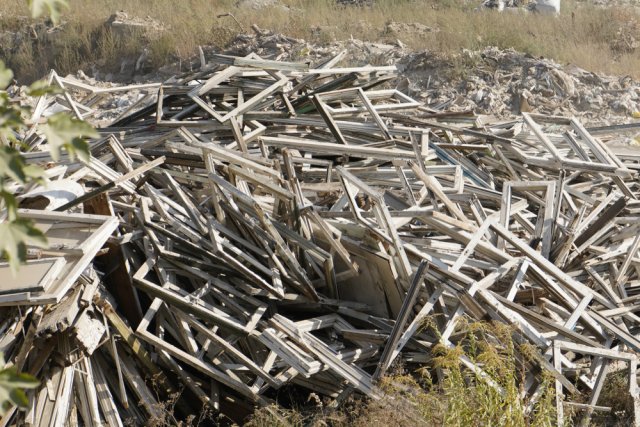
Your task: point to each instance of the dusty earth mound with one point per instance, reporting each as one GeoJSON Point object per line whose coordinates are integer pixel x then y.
{"type": "Point", "coordinates": [504, 82]}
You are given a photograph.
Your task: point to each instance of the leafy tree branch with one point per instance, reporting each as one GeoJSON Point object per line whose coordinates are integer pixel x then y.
{"type": "Point", "coordinates": [62, 132]}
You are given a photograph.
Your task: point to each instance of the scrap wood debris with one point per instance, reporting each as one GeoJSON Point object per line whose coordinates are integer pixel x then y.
{"type": "Point", "coordinates": [261, 224]}
{"type": "Point", "coordinates": [499, 82]}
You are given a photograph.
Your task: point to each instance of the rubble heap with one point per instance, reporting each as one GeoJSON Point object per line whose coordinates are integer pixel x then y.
{"type": "Point", "coordinates": [261, 224]}
{"type": "Point", "coordinates": [507, 82]}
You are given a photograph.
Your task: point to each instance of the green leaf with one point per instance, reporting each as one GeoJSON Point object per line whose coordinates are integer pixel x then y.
{"type": "Point", "coordinates": [6, 76]}
{"type": "Point", "coordinates": [11, 204]}
{"type": "Point", "coordinates": [35, 173]}
{"type": "Point", "coordinates": [19, 397]}
{"type": "Point", "coordinates": [21, 380]}
{"type": "Point", "coordinates": [10, 114]}
{"type": "Point", "coordinates": [42, 87]}
{"type": "Point", "coordinates": [81, 148]}
{"type": "Point", "coordinates": [15, 236]}
{"type": "Point", "coordinates": [52, 7]}
{"type": "Point", "coordinates": [62, 130]}
{"type": "Point", "coordinates": [12, 385]}
{"type": "Point", "coordinates": [12, 164]}
{"type": "Point", "coordinates": [5, 101]}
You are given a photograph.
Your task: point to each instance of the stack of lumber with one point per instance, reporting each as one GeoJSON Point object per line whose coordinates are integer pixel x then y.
{"type": "Point", "coordinates": [264, 224]}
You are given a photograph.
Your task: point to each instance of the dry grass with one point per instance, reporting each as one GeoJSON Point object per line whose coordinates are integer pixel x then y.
{"type": "Point", "coordinates": [460, 399]}
{"type": "Point", "coordinates": [583, 34]}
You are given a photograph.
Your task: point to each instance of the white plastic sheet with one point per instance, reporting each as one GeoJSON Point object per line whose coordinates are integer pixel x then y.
{"type": "Point", "coordinates": [548, 6]}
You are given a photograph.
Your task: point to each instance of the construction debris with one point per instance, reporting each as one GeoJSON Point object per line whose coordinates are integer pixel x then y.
{"type": "Point", "coordinates": [551, 7]}
{"type": "Point", "coordinates": [261, 4]}
{"type": "Point", "coordinates": [261, 224]}
{"type": "Point", "coordinates": [499, 82]}
{"type": "Point", "coordinates": [507, 82]}
{"type": "Point", "coordinates": [123, 25]}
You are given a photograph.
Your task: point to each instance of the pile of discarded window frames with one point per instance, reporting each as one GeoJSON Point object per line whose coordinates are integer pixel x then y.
{"type": "Point", "coordinates": [257, 224]}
